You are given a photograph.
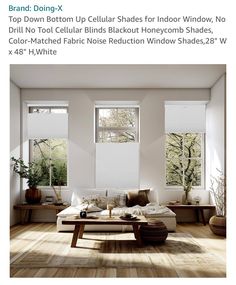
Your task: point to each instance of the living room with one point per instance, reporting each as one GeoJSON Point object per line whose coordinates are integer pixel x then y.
{"type": "Point", "coordinates": [188, 100]}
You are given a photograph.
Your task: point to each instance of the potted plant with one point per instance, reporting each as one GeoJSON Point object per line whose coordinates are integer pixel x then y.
{"type": "Point", "coordinates": [32, 173]}
{"type": "Point", "coordinates": [217, 222]}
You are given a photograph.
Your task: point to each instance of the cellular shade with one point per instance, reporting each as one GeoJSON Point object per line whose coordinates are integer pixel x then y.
{"type": "Point", "coordinates": [185, 118]}
{"type": "Point", "coordinates": [117, 165]}
{"type": "Point", "coordinates": [43, 126]}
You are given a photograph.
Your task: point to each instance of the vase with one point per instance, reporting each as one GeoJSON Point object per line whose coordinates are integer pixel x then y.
{"type": "Point", "coordinates": [33, 195]}
{"type": "Point", "coordinates": [58, 197]}
{"type": "Point", "coordinates": [186, 198]}
{"type": "Point", "coordinates": [218, 225]}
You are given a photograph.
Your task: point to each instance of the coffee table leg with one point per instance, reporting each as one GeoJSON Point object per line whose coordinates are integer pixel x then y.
{"type": "Point", "coordinates": [75, 236]}
{"type": "Point", "coordinates": [137, 234]}
{"type": "Point", "coordinates": [81, 231]}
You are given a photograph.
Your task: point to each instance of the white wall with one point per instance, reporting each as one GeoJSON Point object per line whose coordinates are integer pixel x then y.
{"type": "Point", "coordinates": [215, 130]}
{"type": "Point", "coordinates": [81, 133]}
{"type": "Point", "coordinates": [14, 149]}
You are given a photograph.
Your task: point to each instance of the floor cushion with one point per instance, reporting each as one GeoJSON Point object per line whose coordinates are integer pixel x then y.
{"type": "Point", "coordinates": [154, 231]}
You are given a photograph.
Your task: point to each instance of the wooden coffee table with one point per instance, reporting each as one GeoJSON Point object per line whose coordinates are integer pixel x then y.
{"type": "Point", "coordinates": [105, 220]}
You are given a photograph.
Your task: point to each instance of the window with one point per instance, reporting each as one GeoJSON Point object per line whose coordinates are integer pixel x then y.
{"type": "Point", "coordinates": [55, 110]}
{"type": "Point", "coordinates": [50, 153]}
{"type": "Point", "coordinates": [184, 159]}
{"type": "Point", "coordinates": [118, 125]}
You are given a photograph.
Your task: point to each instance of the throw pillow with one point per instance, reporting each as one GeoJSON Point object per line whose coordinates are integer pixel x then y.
{"type": "Point", "coordinates": [93, 208]}
{"type": "Point", "coordinates": [122, 200]}
{"type": "Point", "coordinates": [118, 200]}
{"type": "Point", "coordinates": [96, 200]}
{"type": "Point", "coordinates": [137, 197]}
{"type": "Point", "coordinates": [101, 202]}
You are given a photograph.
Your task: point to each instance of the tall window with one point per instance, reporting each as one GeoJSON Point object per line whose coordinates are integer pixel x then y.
{"type": "Point", "coordinates": [117, 125]}
{"type": "Point", "coordinates": [184, 159]}
{"type": "Point", "coordinates": [50, 154]}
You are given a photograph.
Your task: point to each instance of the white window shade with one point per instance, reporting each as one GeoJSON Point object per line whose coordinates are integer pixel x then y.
{"type": "Point", "coordinates": [185, 118]}
{"type": "Point", "coordinates": [117, 165]}
{"type": "Point", "coordinates": [44, 126]}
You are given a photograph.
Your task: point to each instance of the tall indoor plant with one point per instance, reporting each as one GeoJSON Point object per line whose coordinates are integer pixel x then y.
{"type": "Point", "coordinates": [217, 222]}
{"type": "Point", "coordinates": [32, 173]}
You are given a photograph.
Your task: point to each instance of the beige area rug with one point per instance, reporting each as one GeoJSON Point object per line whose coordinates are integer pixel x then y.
{"type": "Point", "coordinates": [114, 250]}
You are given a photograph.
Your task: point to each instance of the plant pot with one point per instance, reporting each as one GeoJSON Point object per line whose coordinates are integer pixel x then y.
{"type": "Point", "coordinates": [187, 198]}
{"type": "Point", "coordinates": [33, 195]}
{"type": "Point", "coordinates": [218, 225]}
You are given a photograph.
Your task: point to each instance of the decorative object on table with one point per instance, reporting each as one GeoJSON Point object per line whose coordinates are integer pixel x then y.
{"type": "Point", "coordinates": [57, 193]}
{"type": "Point", "coordinates": [217, 222]}
{"type": "Point", "coordinates": [109, 208]}
{"type": "Point", "coordinates": [196, 200]}
{"type": "Point", "coordinates": [155, 231]}
{"type": "Point", "coordinates": [32, 173]}
{"type": "Point", "coordinates": [128, 217]}
{"type": "Point", "coordinates": [174, 202]}
{"type": "Point", "coordinates": [186, 199]}
{"type": "Point", "coordinates": [49, 199]}
{"type": "Point", "coordinates": [83, 214]}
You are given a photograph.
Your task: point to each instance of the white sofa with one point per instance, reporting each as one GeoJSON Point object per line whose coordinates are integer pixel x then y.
{"type": "Point", "coordinates": [151, 210]}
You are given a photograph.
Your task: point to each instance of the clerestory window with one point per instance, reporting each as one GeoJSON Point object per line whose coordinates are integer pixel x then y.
{"type": "Point", "coordinates": [117, 124]}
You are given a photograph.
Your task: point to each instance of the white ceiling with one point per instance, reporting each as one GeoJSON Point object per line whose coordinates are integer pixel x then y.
{"type": "Point", "coordinates": [115, 76]}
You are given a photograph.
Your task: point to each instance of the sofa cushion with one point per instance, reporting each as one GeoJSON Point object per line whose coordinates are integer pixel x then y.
{"type": "Point", "coordinates": [118, 200]}
{"type": "Point", "coordinates": [119, 196]}
{"type": "Point", "coordinates": [137, 197]}
{"type": "Point", "coordinates": [97, 200]}
{"type": "Point", "coordinates": [79, 193]}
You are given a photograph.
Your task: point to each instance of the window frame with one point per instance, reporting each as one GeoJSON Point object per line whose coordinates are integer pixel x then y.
{"type": "Point", "coordinates": [202, 159]}
{"type": "Point", "coordinates": [115, 129]}
{"type": "Point", "coordinates": [30, 110]}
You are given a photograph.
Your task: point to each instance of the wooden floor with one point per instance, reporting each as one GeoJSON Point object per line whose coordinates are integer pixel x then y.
{"type": "Point", "coordinates": [25, 237]}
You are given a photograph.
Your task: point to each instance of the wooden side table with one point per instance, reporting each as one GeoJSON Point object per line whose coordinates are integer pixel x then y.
{"type": "Point", "coordinates": [199, 210]}
{"type": "Point", "coordinates": [26, 210]}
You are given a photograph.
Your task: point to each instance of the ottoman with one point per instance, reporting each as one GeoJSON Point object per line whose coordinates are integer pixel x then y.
{"type": "Point", "coordinates": [155, 231]}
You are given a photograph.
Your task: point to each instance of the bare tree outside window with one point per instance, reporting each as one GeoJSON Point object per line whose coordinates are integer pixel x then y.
{"type": "Point", "coordinates": [184, 159]}
{"type": "Point", "coordinates": [50, 154]}
{"type": "Point", "coordinates": [117, 125]}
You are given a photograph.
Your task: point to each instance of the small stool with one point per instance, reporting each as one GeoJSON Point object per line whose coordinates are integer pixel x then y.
{"type": "Point", "coordinates": [155, 231]}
